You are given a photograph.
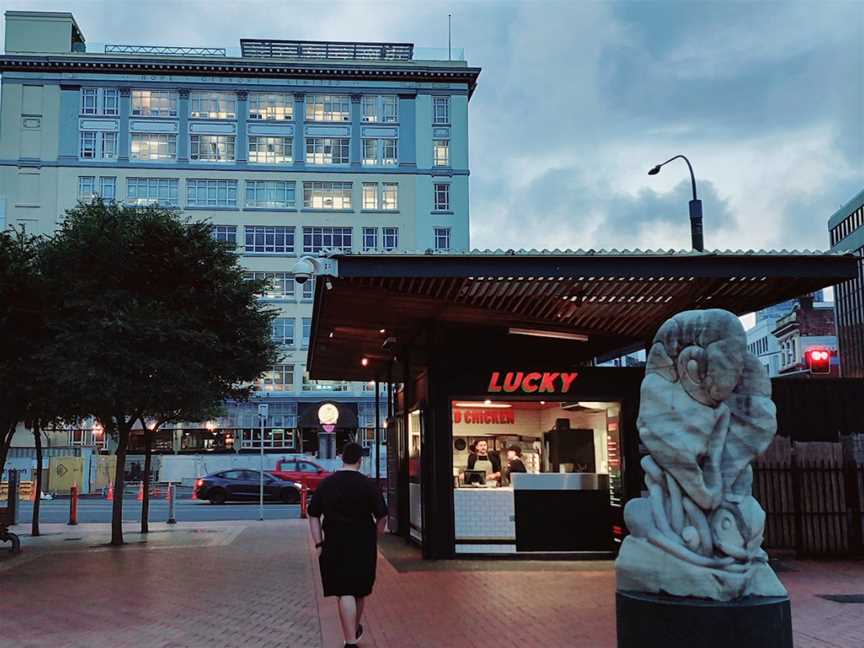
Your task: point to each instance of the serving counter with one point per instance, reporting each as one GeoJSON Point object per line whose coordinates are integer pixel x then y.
{"type": "Point", "coordinates": [485, 520]}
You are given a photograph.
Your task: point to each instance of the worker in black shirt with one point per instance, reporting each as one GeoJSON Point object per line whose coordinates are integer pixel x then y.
{"type": "Point", "coordinates": [482, 459]}
{"type": "Point", "coordinates": [514, 461]}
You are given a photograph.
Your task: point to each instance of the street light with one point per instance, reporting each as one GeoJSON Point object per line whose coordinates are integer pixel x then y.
{"type": "Point", "coordinates": [263, 411]}
{"type": "Point", "coordinates": [695, 205]}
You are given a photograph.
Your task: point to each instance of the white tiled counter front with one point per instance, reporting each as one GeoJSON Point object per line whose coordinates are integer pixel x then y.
{"type": "Point", "coordinates": [484, 514]}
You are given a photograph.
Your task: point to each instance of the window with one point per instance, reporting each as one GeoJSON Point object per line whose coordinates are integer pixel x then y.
{"type": "Point", "coordinates": [380, 152]}
{"type": "Point", "coordinates": [383, 109]}
{"type": "Point", "coordinates": [270, 150]}
{"type": "Point", "coordinates": [442, 238]}
{"type": "Point", "coordinates": [277, 285]}
{"type": "Point", "coordinates": [90, 187]}
{"type": "Point", "coordinates": [391, 238]}
{"type": "Point", "coordinates": [307, 331]}
{"type": "Point", "coordinates": [440, 110]}
{"type": "Point", "coordinates": [212, 148]}
{"type": "Point", "coordinates": [154, 103]}
{"type": "Point", "coordinates": [370, 239]}
{"type": "Point", "coordinates": [327, 195]}
{"type": "Point", "coordinates": [271, 106]}
{"type": "Point", "coordinates": [153, 146]}
{"type": "Point", "coordinates": [308, 293]}
{"type": "Point", "coordinates": [442, 197]}
{"type": "Point", "coordinates": [226, 234]}
{"type": "Point", "coordinates": [328, 108]}
{"type": "Point", "coordinates": [370, 195]}
{"type": "Point", "coordinates": [279, 378]}
{"type": "Point", "coordinates": [390, 196]}
{"type": "Point", "coordinates": [211, 193]}
{"type": "Point", "coordinates": [316, 239]}
{"type": "Point", "coordinates": [441, 153]}
{"type": "Point", "coordinates": [276, 194]}
{"type": "Point", "coordinates": [213, 105]}
{"type": "Point", "coordinates": [327, 150]}
{"type": "Point", "coordinates": [151, 191]}
{"type": "Point", "coordinates": [98, 145]}
{"type": "Point", "coordinates": [100, 101]}
{"type": "Point", "coordinates": [279, 240]}
{"type": "Point", "coordinates": [283, 331]}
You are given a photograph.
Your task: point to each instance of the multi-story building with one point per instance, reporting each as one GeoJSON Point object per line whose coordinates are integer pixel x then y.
{"type": "Point", "coordinates": [287, 147]}
{"type": "Point", "coordinates": [760, 337]}
{"type": "Point", "coordinates": [846, 233]}
{"type": "Point", "coordinates": [809, 325]}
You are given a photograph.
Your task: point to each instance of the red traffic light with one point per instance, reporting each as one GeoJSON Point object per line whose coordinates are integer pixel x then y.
{"type": "Point", "coordinates": [819, 361]}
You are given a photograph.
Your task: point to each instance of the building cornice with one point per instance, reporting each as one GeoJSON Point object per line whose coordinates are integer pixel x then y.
{"type": "Point", "coordinates": [228, 68]}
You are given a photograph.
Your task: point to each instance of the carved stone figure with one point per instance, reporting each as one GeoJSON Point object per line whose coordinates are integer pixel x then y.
{"type": "Point", "coordinates": [705, 414]}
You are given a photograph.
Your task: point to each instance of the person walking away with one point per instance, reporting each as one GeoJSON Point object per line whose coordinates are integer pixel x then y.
{"type": "Point", "coordinates": [353, 512]}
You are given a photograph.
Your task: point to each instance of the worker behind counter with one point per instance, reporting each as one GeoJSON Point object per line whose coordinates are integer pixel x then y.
{"type": "Point", "coordinates": [482, 459]}
{"type": "Point", "coordinates": [514, 462]}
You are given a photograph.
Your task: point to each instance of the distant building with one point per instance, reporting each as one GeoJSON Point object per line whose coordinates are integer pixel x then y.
{"type": "Point", "coordinates": [809, 325]}
{"type": "Point", "coordinates": [762, 343]}
{"type": "Point", "coordinates": [846, 231]}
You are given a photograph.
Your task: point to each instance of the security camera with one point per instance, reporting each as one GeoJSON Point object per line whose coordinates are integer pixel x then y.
{"type": "Point", "coordinates": [304, 269]}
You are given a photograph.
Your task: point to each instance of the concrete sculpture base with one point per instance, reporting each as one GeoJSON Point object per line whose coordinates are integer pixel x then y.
{"type": "Point", "coordinates": [658, 621]}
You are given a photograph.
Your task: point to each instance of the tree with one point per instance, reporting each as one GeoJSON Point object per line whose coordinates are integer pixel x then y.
{"type": "Point", "coordinates": [151, 308]}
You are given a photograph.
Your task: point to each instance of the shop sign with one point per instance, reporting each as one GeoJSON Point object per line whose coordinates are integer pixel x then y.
{"type": "Point", "coordinates": [534, 382]}
{"type": "Point", "coordinates": [484, 416]}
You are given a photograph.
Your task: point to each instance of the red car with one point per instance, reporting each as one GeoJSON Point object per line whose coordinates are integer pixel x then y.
{"type": "Point", "coordinates": [303, 471]}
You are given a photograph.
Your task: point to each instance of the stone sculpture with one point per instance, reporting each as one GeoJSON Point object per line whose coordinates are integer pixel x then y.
{"type": "Point", "coordinates": [705, 414]}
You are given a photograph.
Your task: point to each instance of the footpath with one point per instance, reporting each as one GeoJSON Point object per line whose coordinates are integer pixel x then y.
{"type": "Point", "coordinates": [227, 584]}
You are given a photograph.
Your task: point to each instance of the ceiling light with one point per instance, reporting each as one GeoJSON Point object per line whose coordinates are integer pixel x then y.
{"type": "Point", "coordinates": [558, 335]}
{"type": "Point", "coordinates": [488, 404]}
{"type": "Point", "coordinates": [365, 362]}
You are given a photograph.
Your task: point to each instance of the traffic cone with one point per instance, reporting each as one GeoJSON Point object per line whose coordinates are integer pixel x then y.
{"type": "Point", "coordinates": [33, 492]}
{"type": "Point", "coordinates": [156, 492]}
{"type": "Point", "coordinates": [140, 497]}
{"type": "Point", "coordinates": [110, 496]}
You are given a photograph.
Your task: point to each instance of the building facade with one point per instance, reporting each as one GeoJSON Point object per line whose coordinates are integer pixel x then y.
{"type": "Point", "coordinates": [809, 325]}
{"type": "Point", "coordinates": [846, 233]}
{"type": "Point", "coordinates": [288, 148]}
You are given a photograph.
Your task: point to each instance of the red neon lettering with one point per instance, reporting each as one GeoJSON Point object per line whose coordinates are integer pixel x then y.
{"type": "Point", "coordinates": [493, 383]}
{"type": "Point", "coordinates": [457, 416]}
{"type": "Point", "coordinates": [513, 380]}
{"type": "Point", "coordinates": [548, 382]}
{"type": "Point", "coordinates": [567, 380]}
{"type": "Point", "coordinates": [529, 385]}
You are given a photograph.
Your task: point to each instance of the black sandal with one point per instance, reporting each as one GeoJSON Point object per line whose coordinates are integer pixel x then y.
{"type": "Point", "coordinates": [359, 631]}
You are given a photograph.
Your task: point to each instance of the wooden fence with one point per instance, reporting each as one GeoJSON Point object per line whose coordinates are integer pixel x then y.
{"type": "Point", "coordinates": [813, 499]}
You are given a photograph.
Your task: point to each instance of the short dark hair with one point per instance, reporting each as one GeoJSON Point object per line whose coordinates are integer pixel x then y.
{"type": "Point", "coordinates": [516, 449]}
{"type": "Point", "coordinates": [352, 453]}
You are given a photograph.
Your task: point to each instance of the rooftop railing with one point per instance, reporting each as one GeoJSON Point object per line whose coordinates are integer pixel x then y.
{"type": "Point", "coordinates": [255, 48]}
{"type": "Point", "coordinates": [164, 50]}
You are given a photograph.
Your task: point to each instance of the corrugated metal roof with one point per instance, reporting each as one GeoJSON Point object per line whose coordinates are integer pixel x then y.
{"type": "Point", "coordinates": [591, 252]}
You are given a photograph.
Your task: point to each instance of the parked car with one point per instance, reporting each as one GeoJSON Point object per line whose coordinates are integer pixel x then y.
{"type": "Point", "coordinates": [242, 485]}
{"type": "Point", "coordinates": [302, 471]}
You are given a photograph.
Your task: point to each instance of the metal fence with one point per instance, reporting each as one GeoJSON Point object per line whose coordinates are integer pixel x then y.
{"type": "Point", "coordinates": [813, 508]}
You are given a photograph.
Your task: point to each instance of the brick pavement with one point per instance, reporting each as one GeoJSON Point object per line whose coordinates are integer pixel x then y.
{"type": "Point", "coordinates": [256, 584]}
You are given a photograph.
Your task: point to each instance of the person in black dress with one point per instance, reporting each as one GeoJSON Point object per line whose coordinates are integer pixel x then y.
{"type": "Point", "coordinates": [353, 512]}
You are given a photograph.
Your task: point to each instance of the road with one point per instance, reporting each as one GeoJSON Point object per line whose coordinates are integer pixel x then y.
{"type": "Point", "coordinates": [186, 510]}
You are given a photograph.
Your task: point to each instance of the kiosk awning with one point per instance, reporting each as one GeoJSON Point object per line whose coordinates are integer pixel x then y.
{"type": "Point", "coordinates": [603, 300]}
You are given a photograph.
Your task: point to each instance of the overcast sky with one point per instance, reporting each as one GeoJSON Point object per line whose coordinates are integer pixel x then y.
{"type": "Point", "coordinates": [577, 100]}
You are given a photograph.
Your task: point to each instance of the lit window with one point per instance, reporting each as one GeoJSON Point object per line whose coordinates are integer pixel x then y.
{"type": "Point", "coordinates": [391, 238]}
{"type": "Point", "coordinates": [98, 145]}
{"type": "Point", "coordinates": [383, 109]}
{"type": "Point", "coordinates": [278, 240]}
{"type": "Point", "coordinates": [390, 196]}
{"type": "Point", "coordinates": [279, 378]}
{"type": "Point", "coordinates": [327, 195]}
{"type": "Point", "coordinates": [440, 110]}
{"type": "Point", "coordinates": [370, 195]}
{"type": "Point", "coordinates": [270, 150]}
{"type": "Point", "coordinates": [213, 105]}
{"type": "Point", "coordinates": [317, 239]}
{"type": "Point", "coordinates": [154, 103]}
{"type": "Point", "coordinates": [151, 191]}
{"type": "Point", "coordinates": [153, 146]}
{"type": "Point", "coordinates": [442, 197]}
{"type": "Point", "coordinates": [441, 153]}
{"type": "Point", "coordinates": [370, 239]}
{"type": "Point", "coordinates": [211, 193]}
{"type": "Point", "coordinates": [100, 101]}
{"type": "Point", "coordinates": [225, 234]}
{"type": "Point", "coordinates": [275, 194]}
{"type": "Point", "coordinates": [277, 285]}
{"type": "Point", "coordinates": [380, 152]}
{"type": "Point", "coordinates": [442, 239]}
{"type": "Point", "coordinates": [327, 150]}
{"type": "Point", "coordinates": [271, 106]}
{"type": "Point", "coordinates": [212, 148]}
{"type": "Point", "coordinates": [328, 108]}
{"type": "Point", "coordinates": [283, 331]}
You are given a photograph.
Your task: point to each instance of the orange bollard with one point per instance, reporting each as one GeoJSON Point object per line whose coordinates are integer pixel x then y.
{"type": "Point", "coordinates": [110, 495]}
{"type": "Point", "coordinates": [73, 505]}
{"type": "Point", "coordinates": [303, 496]}
{"type": "Point", "coordinates": [33, 492]}
{"type": "Point", "coordinates": [140, 491]}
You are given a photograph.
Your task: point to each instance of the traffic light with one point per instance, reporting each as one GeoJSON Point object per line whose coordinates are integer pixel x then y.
{"type": "Point", "coordinates": [819, 361]}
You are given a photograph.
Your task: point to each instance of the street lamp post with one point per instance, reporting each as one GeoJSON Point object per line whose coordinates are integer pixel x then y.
{"type": "Point", "coordinates": [263, 410]}
{"type": "Point", "coordinates": [695, 205]}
